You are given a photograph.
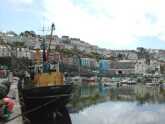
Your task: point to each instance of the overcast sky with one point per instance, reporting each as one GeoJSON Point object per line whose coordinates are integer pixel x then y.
{"type": "Point", "coordinates": [114, 24]}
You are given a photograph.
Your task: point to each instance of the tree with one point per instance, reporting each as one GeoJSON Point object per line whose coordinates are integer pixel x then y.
{"type": "Point", "coordinates": [11, 33]}
{"type": "Point", "coordinates": [94, 55]}
{"type": "Point", "coordinates": [28, 33]}
{"type": "Point", "coordinates": [18, 44]}
{"type": "Point", "coordinates": [120, 56]}
{"type": "Point", "coordinates": [32, 33]}
{"type": "Point", "coordinates": [142, 53]}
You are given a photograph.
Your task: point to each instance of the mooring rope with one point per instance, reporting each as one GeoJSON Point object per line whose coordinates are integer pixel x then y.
{"type": "Point", "coordinates": [31, 111]}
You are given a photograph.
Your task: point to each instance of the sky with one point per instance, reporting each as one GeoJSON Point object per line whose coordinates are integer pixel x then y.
{"type": "Point", "coordinates": [112, 24]}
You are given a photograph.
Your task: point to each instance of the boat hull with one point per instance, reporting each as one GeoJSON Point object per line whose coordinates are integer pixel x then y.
{"type": "Point", "coordinates": [41, 103]}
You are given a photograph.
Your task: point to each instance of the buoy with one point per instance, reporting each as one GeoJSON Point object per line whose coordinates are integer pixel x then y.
{"type": "Point", "coordinates": [10, 103]}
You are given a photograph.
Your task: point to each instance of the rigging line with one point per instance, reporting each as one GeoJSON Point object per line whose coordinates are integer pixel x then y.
{"type": "Point", "coordinates": [31, 111]}
{"type": "Point", "coordinates": [34, 109]}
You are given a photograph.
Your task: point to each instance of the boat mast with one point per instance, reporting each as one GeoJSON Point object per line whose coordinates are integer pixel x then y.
{"type": "Point", "coordinates": [51, 36]}
{"type": "Point", "coordinates": [46, 57]}
{"type": "Point", "coordinates": [49, 49]}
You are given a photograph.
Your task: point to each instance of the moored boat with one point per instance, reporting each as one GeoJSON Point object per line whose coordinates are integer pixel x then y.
{"type": "Point", "coordinates": [43, 93]}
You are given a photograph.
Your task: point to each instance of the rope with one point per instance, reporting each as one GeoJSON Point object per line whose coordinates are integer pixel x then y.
{"type": "Point", "coordinates": [35, 109]}
{"type": "Point", "coordinates": [43, 97]}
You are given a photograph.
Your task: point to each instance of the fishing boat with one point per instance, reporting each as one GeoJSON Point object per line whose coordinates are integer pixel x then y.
{"type": "Point", "coordinates": [43, 93]}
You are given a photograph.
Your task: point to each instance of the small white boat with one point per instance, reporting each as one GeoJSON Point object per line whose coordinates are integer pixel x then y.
{"type": "Point", "coordinates": [152, 84]}
{"type": "Point", "coordinates": [128, 82]}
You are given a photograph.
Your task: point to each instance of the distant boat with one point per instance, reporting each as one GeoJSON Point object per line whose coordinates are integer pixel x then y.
{"type": "Point", "coordinates": [110, 84]}
{"type": "Point", "coordinates": [106, 85]}
{"type": "Point", "coordinates": [128, 82]}
{"type": "Point", "coordinates": [152, 84]}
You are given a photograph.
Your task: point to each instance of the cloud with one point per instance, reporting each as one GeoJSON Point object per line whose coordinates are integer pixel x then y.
{"type": "Point", "coordinates": [107, 23]}
{"type": "Point", "coordinates": [20, 4]}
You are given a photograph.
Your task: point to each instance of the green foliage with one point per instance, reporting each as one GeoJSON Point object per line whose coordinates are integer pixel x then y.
{"type": "Point", "coordinates": [5, 61]}
{"type": "Point", "coordinates": [18, 44]}
{"type": "Point", "coordinates": [12, 33]}
{"type": "Point", "coordinates": [28, 33]}
{"type": "Point", "coordinates": [143, 99]}
{"type": "Point", "coordinates": [94, 56]}
{"type": "Point", "coordinates": [162, 81]}
{"type": "Point", "coordinates": [67, 52]}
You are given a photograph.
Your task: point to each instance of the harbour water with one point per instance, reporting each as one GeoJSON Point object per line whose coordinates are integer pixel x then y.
{"type": "Point", "coordinates": [121, 113]}
{"type": "Point", "coordinates": [124, 105]}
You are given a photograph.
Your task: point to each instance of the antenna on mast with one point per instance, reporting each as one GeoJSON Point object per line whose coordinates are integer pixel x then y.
{"type": "Point", "coordinates": [51, 35]}
{"type": "Point", "coordinates": [43, 45]}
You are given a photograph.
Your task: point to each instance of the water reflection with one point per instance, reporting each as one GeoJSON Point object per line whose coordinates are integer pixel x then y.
{"type": "Point", "coordinates": [138, 104]}
{"type": "Point", "coordinates": [88, 95]}
{"type": "Point", "coordinates": [121, 113]}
